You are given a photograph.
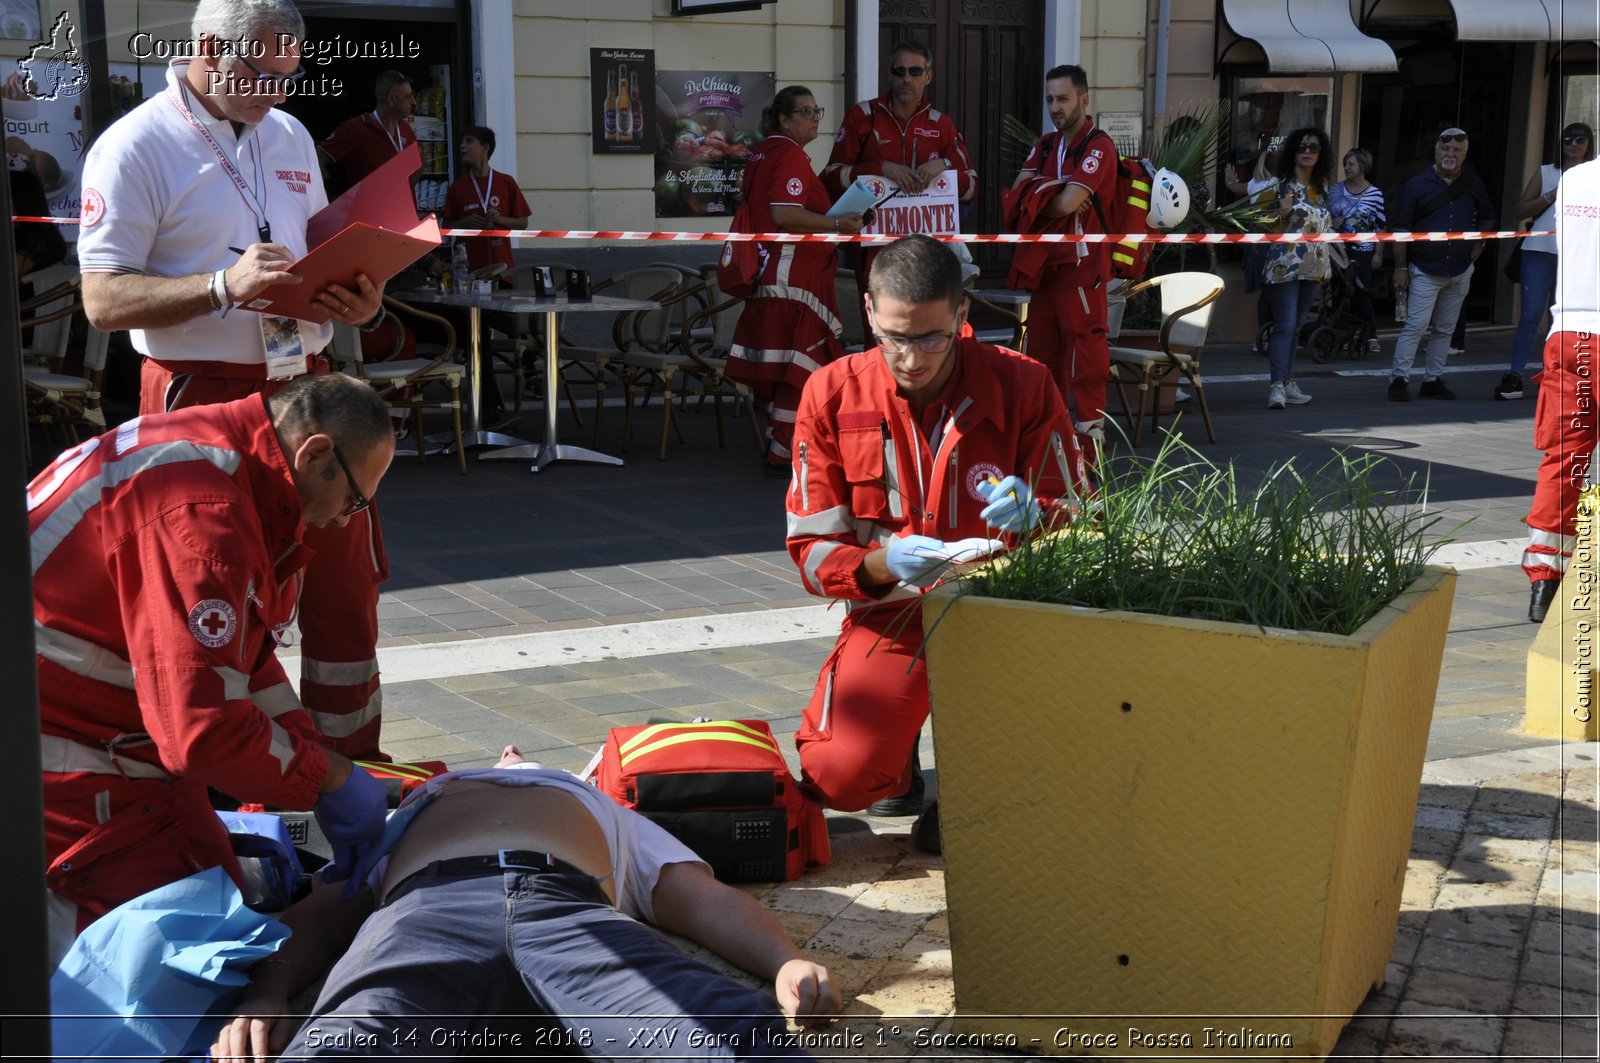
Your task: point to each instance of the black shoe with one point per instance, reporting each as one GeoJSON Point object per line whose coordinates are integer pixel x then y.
{"type": "Point", "coordinates": [1435, 389]}
{"type": "Point", "coordinates": [1510, 387]}
{"type": "Point", "coordinates": [925, 832]}
{"type": "Point", "coordinates": [908, 803]}
{"type": "Point", "coordinates": [1398, 392]}
{"type": "Point", "coordinates": [1539, 602]}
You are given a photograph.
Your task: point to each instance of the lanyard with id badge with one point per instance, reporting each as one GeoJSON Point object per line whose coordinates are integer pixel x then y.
{"type": "Point", "coordinates": [280, 336]}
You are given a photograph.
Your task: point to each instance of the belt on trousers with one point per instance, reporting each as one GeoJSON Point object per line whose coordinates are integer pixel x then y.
{"type": "Point", "coordinates": [470, 866]}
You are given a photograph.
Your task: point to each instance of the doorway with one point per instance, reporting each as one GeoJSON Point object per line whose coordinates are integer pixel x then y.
{"type": "Point", "coordinates": [988, 62]}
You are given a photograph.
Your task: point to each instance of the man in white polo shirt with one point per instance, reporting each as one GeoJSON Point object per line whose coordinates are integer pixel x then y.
{"type": "Point", "coordinates": [169, 191]}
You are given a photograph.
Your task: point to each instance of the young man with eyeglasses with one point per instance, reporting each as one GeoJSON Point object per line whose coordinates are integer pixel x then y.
{"type": "Point", "coordinates": [1435, 275]}
{"type": "Point", "coordinates": [901, 136]}
{"type": "Point", "coordinates": [205, 166]}
{"type": "Point", "coordinates": [915, 454]}
{"type": "Point", "coordinates": [167, 557]}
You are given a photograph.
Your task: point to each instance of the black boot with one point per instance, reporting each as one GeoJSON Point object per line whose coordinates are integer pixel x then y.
{"type": "Point", "coordinates": [925, 832]}
{"type": "Point", "coordinates": [1544, 593]}
{"type": "Point", "coordinates": [908, 803]}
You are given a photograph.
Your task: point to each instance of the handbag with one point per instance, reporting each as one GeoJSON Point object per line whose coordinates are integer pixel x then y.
{"type": "Point", "coordinates": [739, 268]}
{"type": "Point", "coordinates": [1513, 266]}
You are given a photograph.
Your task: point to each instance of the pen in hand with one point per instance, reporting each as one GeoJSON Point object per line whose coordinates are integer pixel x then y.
{"type": "Point", "coordinates": [237, 250]}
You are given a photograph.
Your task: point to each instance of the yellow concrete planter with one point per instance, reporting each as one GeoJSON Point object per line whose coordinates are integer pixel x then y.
{"type": "Point", "coordinates": [1156, 827]}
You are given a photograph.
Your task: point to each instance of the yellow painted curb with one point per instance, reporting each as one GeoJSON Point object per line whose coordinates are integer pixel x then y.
{"type": "Point", "coordinates": [1158, 829]}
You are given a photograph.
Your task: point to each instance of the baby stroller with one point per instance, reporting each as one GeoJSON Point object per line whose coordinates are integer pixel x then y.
{"type": "Point", "coordinates": [1334, 328]}
{"type": "Point", "coordinates": [1337, 328]}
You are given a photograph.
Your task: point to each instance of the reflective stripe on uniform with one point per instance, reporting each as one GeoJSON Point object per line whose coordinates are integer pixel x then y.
{"type": "Point", "coordinates": [60, 523]}
{"type": "Point", "coordinates": [276, 700]}
{"type": "Point", "coordinates": [345, 724]}
{"type": "Point", "coordinates": [338, 673]}
{"type": "Point", "coordinates": [81, 657]}
{"type": "Point", "coordinates": [63, 756]}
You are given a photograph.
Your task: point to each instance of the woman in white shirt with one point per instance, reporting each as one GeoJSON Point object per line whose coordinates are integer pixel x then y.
{"type": "Point", "coordinates": [1358, 208]}
{"type": "Point", "coordinates": [1538, 268]}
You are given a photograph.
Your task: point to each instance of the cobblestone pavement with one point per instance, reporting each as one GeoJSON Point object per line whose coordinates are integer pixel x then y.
{"type": "Point", "coordinates": [543, 610]}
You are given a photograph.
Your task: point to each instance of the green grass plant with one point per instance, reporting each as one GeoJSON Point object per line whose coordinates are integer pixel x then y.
{"type": "Point", "coordinates": [1176, 535]}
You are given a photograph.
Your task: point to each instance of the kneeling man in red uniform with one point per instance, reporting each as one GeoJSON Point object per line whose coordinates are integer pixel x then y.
{"type": "Point", "coordinates": [901, 451]}
{"type": "Point", "coordinates": [167, 559]}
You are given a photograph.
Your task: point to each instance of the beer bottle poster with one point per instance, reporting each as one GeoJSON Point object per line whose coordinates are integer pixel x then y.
{"type": "Point", "coordinates": [709, 121]}
{"type": "Point", "coordinates": [622, 94]}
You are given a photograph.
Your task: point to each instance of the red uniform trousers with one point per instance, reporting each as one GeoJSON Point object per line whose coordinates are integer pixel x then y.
{"type": "Point", "coordinates": [857, 733]}
{"type": "Point", "coordinates": [339, 599]}
{"type": "Point", "coordinates": [1564, 427]}
{"type": "Point", "coordinates": [1067, 332]}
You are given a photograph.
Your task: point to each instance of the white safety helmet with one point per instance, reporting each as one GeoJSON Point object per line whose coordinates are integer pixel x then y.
{"type": "Point", "coordinates": [1169, 199]}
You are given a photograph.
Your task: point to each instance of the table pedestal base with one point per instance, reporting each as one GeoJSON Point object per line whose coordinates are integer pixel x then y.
{"type": "Point", "coordinates": [543, 455]}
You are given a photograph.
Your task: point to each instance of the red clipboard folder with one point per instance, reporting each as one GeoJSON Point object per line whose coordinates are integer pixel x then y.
{"type": "Point", "coordinates": [371, 229]}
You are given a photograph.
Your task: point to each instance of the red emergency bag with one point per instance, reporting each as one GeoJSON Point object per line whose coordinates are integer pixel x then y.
{"type": "Point", "coordinates": [723, 789]}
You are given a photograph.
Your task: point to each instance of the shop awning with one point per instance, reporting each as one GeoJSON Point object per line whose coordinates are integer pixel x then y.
{"type": "Point", "coordinates": [1526, 20]}
{"type": "Point", "coordinates": [1308, 36]}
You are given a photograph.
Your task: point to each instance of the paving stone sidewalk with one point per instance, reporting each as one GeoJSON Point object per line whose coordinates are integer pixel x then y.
{"type": "Point", "coordinates": [1497, 947]}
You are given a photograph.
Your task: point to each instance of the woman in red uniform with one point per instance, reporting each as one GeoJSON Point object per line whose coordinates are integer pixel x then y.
{"type": "Point", "coordinates": [790, 326]}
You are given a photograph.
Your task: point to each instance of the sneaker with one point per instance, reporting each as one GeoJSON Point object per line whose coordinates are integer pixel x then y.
{"type": "Point", "coordinates": [1453, 351]}
{"type": "Point", "coordinates": [908, 803]}
{"type": "Point", "coordinates": [925, 832]}
{"type": "Point", "coordinates": [1510, 387]}
{"type": "Point", "coordinates": [1398, 392]}
{"type": "Point", "coordinates": [1435, 389]}
{"type": "Point", "coordinates": [1276, 399]}
{"type": "Point", "coordinates": [1373, 346]}
{"type": "Point", "coordinates": [1544, 593]}
{"type": "Point", "coordinates": [1181, 395]}
{"type": "Point", "coordinates": [1293, 394]}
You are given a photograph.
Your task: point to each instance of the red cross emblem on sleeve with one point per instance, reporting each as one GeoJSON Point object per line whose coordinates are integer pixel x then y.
{"type": "Point", "coordinates": [212, 623]}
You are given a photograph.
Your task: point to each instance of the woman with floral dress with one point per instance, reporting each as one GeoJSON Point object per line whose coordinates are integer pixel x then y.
{"type": "Point", "coordinates": [1295, 271]}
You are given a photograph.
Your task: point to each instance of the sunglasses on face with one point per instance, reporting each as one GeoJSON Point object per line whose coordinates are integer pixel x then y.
{"type": "Point", "coordinates": [357, 501]}
{"type": "Point", "coordinates": [271, 84]}
{"type": "Point", "coordinates": [1454, 138]}
{"type": "Point", "coordinates": [908, 71]}
{"type": "Point", "coordinates": [1574, 138]}
{"type": "Point", "coordinates": [1311, 147]}
{"type": "Point", "coordinates": [810, 112]}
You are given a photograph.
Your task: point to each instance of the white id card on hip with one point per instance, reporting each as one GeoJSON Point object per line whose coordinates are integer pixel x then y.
{"type": "Point", "coordinates": [286, 357]}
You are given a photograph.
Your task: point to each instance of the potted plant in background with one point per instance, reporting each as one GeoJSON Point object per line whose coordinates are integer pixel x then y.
{"type": "Point", "coordinates": [1179, 751]}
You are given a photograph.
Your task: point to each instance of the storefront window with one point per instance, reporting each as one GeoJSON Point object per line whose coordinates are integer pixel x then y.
{"type": "Point", "coordinates": [1267, 109]}
{"type": "Point", "coordinates": [1580, 99]}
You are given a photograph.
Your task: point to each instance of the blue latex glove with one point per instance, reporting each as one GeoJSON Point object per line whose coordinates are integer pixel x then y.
{"type": "Point", "coordinates": [1011, 507]}
{"type": "Point", "coordinates": [917, 559]}
{"type": "Point", "coordinates": [351, 818]}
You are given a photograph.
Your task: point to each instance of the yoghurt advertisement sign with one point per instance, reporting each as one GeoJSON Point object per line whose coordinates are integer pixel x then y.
{"type": "Point", "coordinates": [708, 123]}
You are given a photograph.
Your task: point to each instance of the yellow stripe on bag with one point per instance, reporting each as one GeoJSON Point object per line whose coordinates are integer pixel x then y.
{"type": "Point", "coordinates": [661, 728]}
{"type": "Point", "coordinates": [672, 740]}
{"type": "Point", "coordinates": [410, 771]}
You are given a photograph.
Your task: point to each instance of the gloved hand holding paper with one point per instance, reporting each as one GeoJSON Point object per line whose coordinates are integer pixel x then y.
{"type": "Point", "coordinates": [922, 561]}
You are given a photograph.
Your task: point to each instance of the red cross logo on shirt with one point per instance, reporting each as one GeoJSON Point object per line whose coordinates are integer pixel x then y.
{"type": "Point", "coordinates": [212, 622]}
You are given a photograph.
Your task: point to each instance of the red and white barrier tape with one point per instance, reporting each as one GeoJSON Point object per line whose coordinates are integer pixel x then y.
{"type": "Point", "coordinates": [966, 238]}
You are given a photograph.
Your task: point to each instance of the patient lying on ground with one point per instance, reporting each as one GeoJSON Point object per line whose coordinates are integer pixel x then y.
{"type": "Point", "coordinates": [519, 874]}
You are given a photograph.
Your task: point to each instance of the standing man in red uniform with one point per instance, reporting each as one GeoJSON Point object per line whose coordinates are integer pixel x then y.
{"type": "Point", "coordinates": [902, 137]}
{"type": "Point", "coordinates": [901, 452]}
{"type": "Point", "coordinates": [361, 144]}
{"type": "Point", "coordinates": [169, 190]}
{"type": "Point", "coordinates": [1066, 171]}
{"type": "Point", "coordinates": [166, 559]}
{"type": "Point", "coordinates": [1565, 424]}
